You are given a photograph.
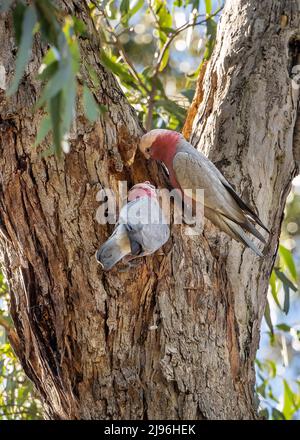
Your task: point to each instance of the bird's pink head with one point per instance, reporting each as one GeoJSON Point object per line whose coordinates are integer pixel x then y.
{"type": "Point", "coordinates": [160, 144]}
{"type": "Point", "coordinates": [141, 190]}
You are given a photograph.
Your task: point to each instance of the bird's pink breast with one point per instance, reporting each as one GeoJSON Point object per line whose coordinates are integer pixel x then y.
{"type": "Point", "coordinates": [165, 150]}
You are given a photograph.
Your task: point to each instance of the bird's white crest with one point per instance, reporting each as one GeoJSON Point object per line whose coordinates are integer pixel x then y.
{"type": "Point", "coordinates": [149, 138]}
{"type": "Point", "coordinates": [141, 190]}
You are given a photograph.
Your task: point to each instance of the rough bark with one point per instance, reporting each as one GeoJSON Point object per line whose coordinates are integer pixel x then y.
{"type": "Point", "coordinates": [176, 338]}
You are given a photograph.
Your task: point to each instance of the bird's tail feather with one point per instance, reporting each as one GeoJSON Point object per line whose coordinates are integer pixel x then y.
{"type": "Point", "coordinates": [114, 249]}
{"type": "Point", "coordinates": [241, 236]}
{"type": "Point", "coordinates": [244, 207]}
{"type": "Point", "coordinates": [250, 228]}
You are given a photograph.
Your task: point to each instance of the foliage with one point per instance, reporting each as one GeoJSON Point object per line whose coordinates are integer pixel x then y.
{"type": "Point", "coordinates": [280, 395]}
{"type": "Point", "coordinates": [60, 67]}
{"type": "Point", "coordinates": [139, 46]}
{"type": "Point", "coordinates": [59, 70]}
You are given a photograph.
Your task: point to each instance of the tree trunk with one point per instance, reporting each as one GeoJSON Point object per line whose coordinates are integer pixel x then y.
{"type": "Point", "coordinates": [175, 338]}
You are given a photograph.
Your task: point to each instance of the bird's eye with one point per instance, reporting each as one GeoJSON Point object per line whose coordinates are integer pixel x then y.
{"type": "Point", "coordinates": [148, 150]}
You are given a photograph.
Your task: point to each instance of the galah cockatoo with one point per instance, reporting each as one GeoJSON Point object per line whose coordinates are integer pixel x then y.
{"type": "Point", "coordinates": [189, 169]}
{"type": "Point", "coordinates": [141, 229]}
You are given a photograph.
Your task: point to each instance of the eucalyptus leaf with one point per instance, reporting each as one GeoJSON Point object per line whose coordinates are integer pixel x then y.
{"type": "Point", "coordinates": [284, 279]}
{"type": "Point", "coordinates": [287, 257]}
{"type": "Point", "coordinates": [55, 106]}
{"type": "Point", "coordinates": [284, 327]}
{"type": "Point", "coordinates": [286, 304]}
{"type": "Point", "coordinates": [208, 6]}
{"type": "Point", "coordinates": [91, 108]}
{"type": "Point", "coordinates": [18, 16]}
{"type": "Point", "coordinates": [48, 71]}
{"type": "Point", "coordinates": [56, 83]}
{"type": "Point", "coordinates": [274, 289]}
{"type": "Point", "coordinates": [289, 407]}
{"type": "Point", "coordinates": [268, 317]}
{"type": "Point", "coordinates": [117, 68]}
{"type": "Point", "coordinates": [44, 129]}
{"type": "Point", "coordinates": [138, 5]}
{"type": "Point", "coordinates": [29, 21]}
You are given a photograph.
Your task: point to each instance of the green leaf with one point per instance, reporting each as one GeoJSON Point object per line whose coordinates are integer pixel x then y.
{"type": "Point", "coordinates": [165, 60]}
{"type": "Point", "coordinates": [164, 19]}
{"type": "Point", "coordinates": [51, 56]}
{"type": "Point", "coordinates": [172, 107]}
{"type": "Point", "coordinates": [208, 6]}
{"type": "Point", "coordinates": [168, 30]}
{"type": "Point", "coordinates": [211, 32]}
{"type": "Point", "coordinates": [18, 16]}
{"type": "Point", "coordinates": [117, 68]}
{"type": "Point", "coordinates": [262, 389]}
{"type": "Point", "coordinates": [284, 279]}
{"type": "Point", "coordinates": [283, 327]}
{"type": "Point", "coordinates": [287, 257]}
{"type": "Point", "coordinates": [91, 108]}
{"type": "Point", "coordinates": [55, 107]}
{"type": "Point", "coordinates": [289, 407]}
{"type": "Point", "coordinates": [79, 27]}
{"type": "Point", "coordinates": [48, 71]}
{"type": "Point", "coordinates": [196, 4]}
{"type": "Point", "coordinates": [75, 56]}
{"type": "Point", "coordinates": [274, 289]}
{"type": "Point", "coordinates": [93, 75]}
{"type": "Point", "coordinates": [69, 102]}
{"type": "Point", "coordinates": [124, 7]}
{"type": "Point", "coordinates": [44, 129]}
{"type": "Point", "coordinates": [286, 304]}
{"type": "Point", "coordinates": [49, 152]}
{"type": "Point", "coordinates": [28, 24]}
{"type": "Point", "coordinates": [132, 11]}
{"type": "Point", "coordinates": [268, 317]}
{"type": "Point", "coordinates": [272, 367]}
{"type": "Point", "coordinates": [56, 83]}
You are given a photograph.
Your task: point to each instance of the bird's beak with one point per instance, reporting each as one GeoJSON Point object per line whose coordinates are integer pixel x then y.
{"type": "Point", "coordinates": [147, 155]}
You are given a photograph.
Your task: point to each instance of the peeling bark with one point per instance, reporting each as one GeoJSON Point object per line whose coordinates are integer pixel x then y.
{"type": "Point", "coordinates": [176, 338]}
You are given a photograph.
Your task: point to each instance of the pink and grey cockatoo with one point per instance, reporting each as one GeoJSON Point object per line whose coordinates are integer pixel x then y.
{"type": "Point", "coordinates": [141, 229]}
{"type": "Point", "coordinates": [189, 169]}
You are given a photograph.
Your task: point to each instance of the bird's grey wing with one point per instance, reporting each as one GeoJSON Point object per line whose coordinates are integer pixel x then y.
{"type": "Point", "coordinates": [243, 206]}
{"type": "Point", "coordinates": [193, 173]}
{"type": "Point", "coordinates": [250, 213]}
{"type": "Point", "coordinates": [147, 226]}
